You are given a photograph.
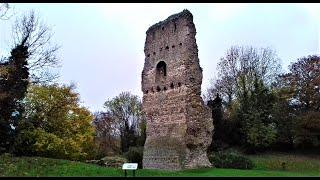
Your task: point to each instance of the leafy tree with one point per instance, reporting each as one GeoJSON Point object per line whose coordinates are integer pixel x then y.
{"type": "Point", "coordinates": [239, 68]}
{"type": "Point", "coordinates": [304, 80]}
{"type": "Point", "coordinates": [142, 135]}
{"type": "Point", "coordinates": [245, 77]}
{"type": "Point", "coordinates": [30, 55]}
{"type": "Point", "coordinates": [222, 86]}
{"type": "Point", "coordinates": [55, 125]}
{"type": "Point", "coordinates": [126, 111]}
{"type": "Point", "coordinates": [106, 133]}
{"type": "Point", "coordinates": [307, 130]}
{"type": "Point", "coordinates": [285, 120]}
{"type": "Point", "coordinates": [256, 119]}
{"type": "Point", "coordinates": [13, 86]}
{"type": "Point", "coordinates": [300, 94]}
{"type": "Point", "coordinates": [217, 115]}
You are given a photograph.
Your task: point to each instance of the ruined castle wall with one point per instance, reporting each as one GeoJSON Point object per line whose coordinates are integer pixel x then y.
{"type": "Point", "coordinates": [179, 125]}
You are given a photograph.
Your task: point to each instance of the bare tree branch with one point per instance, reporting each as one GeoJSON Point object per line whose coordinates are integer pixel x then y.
{"type": "Point", "coordinates": [4, 11]}
{"type": "Point", "coordinates": [36, 36]}
{"type": "Point", "coordinates": [239, 68]}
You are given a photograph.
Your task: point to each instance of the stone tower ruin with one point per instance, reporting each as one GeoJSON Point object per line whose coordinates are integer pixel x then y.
{"type": "Point", "coordinates": [179, 125]}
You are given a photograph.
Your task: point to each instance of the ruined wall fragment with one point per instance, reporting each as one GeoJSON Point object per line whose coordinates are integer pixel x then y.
{"type": "Point", "coordinates": [179, 125]}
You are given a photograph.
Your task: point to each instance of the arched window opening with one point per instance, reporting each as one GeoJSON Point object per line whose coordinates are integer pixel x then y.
{"type": "Point", "coordinates": [179, 84]}
{"type": "Point", "coordinates": [165, 88]}
{"type": "Point", "coordinates": [158, 89]}
{"type": "Point", "coordinates": [167, 47]}
{"type": "Point", "coordinates": [161, 71]}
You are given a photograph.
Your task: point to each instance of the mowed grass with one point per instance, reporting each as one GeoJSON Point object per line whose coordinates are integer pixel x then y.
{"type": "Point", "coordinates": [38, 166]}
{"type": "Point", "coordinates": [303, 164]}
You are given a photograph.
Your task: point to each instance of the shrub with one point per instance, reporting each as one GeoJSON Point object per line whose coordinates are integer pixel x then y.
{"type": "Point", "coordinates": [38, 142]}
{"type": "Point", "coordinates": [230, 160]}
{"type": "Point", "coordinates": [135, 155]}
{"type": "Point", "coordinates": [113, 161]}
{"type": "Point", "coordinates": [307, 130]}
{"type": "Point", "coordinates": [55, 125]}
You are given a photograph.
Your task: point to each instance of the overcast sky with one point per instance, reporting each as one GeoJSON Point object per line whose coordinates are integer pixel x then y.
{"type": "Point", "coordinates": [102, 44]}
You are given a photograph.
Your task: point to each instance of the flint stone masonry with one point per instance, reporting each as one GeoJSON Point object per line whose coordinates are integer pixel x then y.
{"type": "Point", "coordinates": [179, 125]}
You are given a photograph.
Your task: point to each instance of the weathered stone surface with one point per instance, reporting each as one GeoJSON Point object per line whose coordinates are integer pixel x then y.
{"type": "Point", "coordinates": [179, 125]}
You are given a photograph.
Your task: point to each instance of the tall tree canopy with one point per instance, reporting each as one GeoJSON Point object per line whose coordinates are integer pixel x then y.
{"type": "Point", "coordinates": [300, 89]}
{"type": "Point", "coordinates": [304, 80]}
{"type": "Point", "coordinates": [107, 134]}
{"type": "Point", "coordinates": [126, 110]}
{"type": "Point", "coordinates": [238, 69]}
{"type": "Point", "coordinates": [245, 78]}
{"type": "Point", "coordinates": [30, 56]}
{"type": "Point", "coordinates": [54, 124]}
{"type": "Point", "coordinates": [36, 36]}
{"type": "Point", "coordinates": [14, 79]}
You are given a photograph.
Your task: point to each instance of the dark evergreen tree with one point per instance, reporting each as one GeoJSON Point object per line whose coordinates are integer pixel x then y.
{"type": "Point", "coordinates": [14, 81]}
{"type": "Point", "coordinates": [217, 115]}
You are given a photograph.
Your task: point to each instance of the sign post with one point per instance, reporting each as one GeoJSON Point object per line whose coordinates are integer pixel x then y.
{"type": "Point", "coordinates": [130, 166]}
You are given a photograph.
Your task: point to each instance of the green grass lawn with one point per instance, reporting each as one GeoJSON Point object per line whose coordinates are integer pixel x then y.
{"type": "Point", "coordinates": [308, 165]}
{"type": "Point", "coordinates": [266, 165]}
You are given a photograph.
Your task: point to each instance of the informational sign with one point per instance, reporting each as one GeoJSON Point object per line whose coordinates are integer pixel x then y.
{"type": "Point", "coordinates": [130, 166]}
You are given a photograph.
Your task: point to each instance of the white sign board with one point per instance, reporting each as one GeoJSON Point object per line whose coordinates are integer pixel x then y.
{"type": "Point", "coordinates": [130, 166]}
